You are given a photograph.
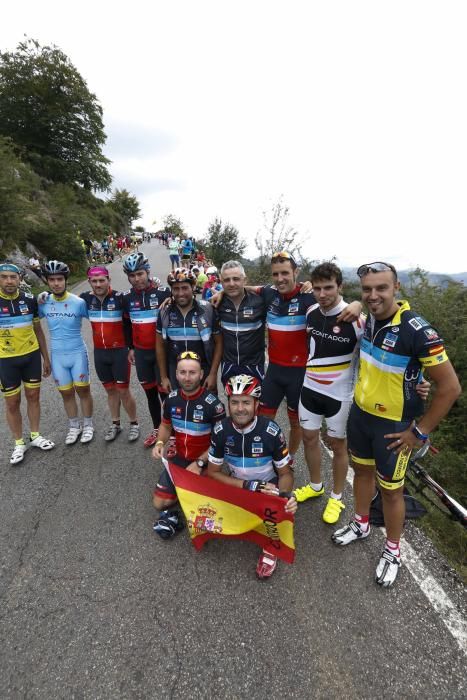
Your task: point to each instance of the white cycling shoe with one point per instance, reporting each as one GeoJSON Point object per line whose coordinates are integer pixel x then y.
{"type": "Point", "coordinates": [387, 569]}
{"type": "Point", "coordinates": [17, 455]}
{"type": "Point", "coordinates": [350, 533]}
{"type": "Point", "coordinates": [72, 435]}
{"type": "Point", "coordinates": [42, 443]}
{"type": "Point", "coordinates": [88, 433]}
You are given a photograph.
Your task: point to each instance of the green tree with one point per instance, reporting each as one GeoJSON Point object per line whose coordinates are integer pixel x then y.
{"type": "Point", "coordinates": [18, 204]}
{"type": "Point", "coordinates": [48, 111]}
{"type": "Point", "coordinates": [126, 206]}
{"type": "Point", "coordinates": [223, 243]}
{"type": "Point", "coordinates": [173, 226]}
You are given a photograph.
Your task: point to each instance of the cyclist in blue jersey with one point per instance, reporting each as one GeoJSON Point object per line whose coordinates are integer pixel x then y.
{"type": "Point", "coordinates": [69, 357]}
{"type": "Point", "coordinates": [254, 450]}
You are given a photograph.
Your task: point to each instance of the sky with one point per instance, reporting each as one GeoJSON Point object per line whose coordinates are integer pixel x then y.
{"type": "Point", "coordinates": [355, 113]}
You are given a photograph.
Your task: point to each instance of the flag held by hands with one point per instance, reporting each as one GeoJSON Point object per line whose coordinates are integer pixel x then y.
{"type": "Point", "coordinates": [213, 509]}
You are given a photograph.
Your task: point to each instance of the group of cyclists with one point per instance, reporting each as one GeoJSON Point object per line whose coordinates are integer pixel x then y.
{"type": "Point", "coordinates": [362, 375]}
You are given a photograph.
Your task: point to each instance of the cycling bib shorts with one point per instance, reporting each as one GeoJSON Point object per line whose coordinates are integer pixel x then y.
{"type": "Point", "coordinates": [112, 367]}
{"type": "Point", "coordinates": [281, 382]}
{"type": "Point", "coordinates": [22, 368]}
{"type": "Point", "coordinates": [70, 369]}
{"type": "Point", "coordinates": [314, 406]}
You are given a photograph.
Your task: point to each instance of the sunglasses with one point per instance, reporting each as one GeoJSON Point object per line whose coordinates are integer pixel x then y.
{"type": "Point", "coordinates": [375, 267]}
{"type": "Point", "coordinates": [189, 355]}
{"type": "Point", "coordinates": [283, 255]}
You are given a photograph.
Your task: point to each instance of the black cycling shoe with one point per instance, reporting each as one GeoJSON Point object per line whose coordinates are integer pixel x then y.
{"type": "Point", "coordinates": [169, 524]}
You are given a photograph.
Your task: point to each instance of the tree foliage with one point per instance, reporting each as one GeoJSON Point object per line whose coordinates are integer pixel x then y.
{"type": "Point", "coordinates": [126, 206]}
{"type": "Point", "coordinates": [223, 242]}
{"type": "Point", "coordinates": [48, 111]}
{"type": "Point", "coordinates": [173, 226]}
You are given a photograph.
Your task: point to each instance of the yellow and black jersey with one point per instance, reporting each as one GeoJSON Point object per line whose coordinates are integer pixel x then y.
{"type": "Point", "coordinates": [392, 359]}
{"type": "Point", "coordinates": [18, 313]}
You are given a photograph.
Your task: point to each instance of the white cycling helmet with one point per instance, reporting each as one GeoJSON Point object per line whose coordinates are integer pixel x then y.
{"type": "Point", "coordinates": [243, 384]}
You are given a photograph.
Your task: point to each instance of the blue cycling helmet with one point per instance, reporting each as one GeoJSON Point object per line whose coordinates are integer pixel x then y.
{"type": "Point", "coordinates": [134, 262]}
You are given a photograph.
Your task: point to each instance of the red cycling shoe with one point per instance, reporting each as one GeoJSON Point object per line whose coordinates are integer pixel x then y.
{"type": "Point", "coordinates": [266, 565]}
{"type": "Point", "coordinates": [151, 438]}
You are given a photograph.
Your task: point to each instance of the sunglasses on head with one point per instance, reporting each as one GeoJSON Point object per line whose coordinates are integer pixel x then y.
{"type": "Point", "coordinates": [375, 267]}
{"type": "Point", "coordinates": [283, 255]}
{"type": "Point", "coordinates": [189, 355]}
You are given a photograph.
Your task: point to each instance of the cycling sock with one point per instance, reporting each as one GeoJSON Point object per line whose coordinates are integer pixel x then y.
{"type": "Point", "coordinates": [316, 487]}
{"type": "Point", "coordinates": [34, 435]}
{"type": "Point", "coordinates": [336, 496]}
{"type": "Point", "coordinates": [87, 422]}
{"type": "Point", "coordinates": [154, 405]}
{"type": "Point", "coordinates": [393, 546]}
{"type": "Point", "coordinates": [20, 441]}
{"type": "Point", "coordinates": [134, 422]}
{"type": "Point", "coordinates": [116, 422]}
{"type": "Point", "coordinates": [74, 422]}
{"type": "Point", "coordinates": [363, 521]}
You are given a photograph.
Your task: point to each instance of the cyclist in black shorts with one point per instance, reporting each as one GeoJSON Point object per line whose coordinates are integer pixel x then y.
{"type": "Point", "coordinates": [187, 324]}
{"type": "Point", "coordinates": [190, 412]}
{"type": "Point", "coordinates": [111, 344]}
{"type": "Point", "coordinates": [255, 451]}
{"type": "Point", "coordinates": [386, 421]}
{"type": "Point", "coordinates": [141, 308]}
{"type": "Point", "coordinates": [22, 342]}
{"type": "Point", "coordinates": [241, 317]}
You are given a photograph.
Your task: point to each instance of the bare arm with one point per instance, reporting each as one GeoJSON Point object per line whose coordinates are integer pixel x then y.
{"type": "Point", "coordinates": [43, 348]}
{"type": "Point", "coordinates": [161, 356]}
{"type": "Point", "coordinates": [447, 391]}
{"type": "Point", "coordinates": [211, 380]}
{"type": "Point", "coordinates": [165, 431]}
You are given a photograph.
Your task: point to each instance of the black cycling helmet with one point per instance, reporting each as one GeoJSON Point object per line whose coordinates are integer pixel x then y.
{"type": "Point", "coordinates": [135, 262]}
{"type": "Point", "coordinates": [243, 384]}
{"type": "Point", "coordinates": [55, 267]}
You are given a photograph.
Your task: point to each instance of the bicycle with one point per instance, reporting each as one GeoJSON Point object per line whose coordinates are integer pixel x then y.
{"type": "Point", "coordinates": [417, 472]}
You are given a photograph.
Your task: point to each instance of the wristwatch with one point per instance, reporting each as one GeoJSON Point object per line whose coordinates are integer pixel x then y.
{"type": "Point", "coordinates": [201, 463]}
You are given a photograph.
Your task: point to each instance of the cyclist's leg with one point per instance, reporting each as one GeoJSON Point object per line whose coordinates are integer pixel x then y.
{"type": "Point", "coordinates": [103, 365]}
{"type": "Point", "coordinates": [61, 372]}
{"type": "Point", "coordinates": [310, 414]}
{"type": "Point", "coordinates": [337, 414]}
{"type": "Point", "coordinates": [145, 361]}
{"type": "Point", "coordinates": [80, 374]}
{"type": "Point", "coordinates": [10, 381]}
{"type": "Point", "coordinates": [121, 370]}
{"type": "Point", "coordinates": [293, 387]}
{"type": "Point", "coordinates": [363, 460]}
{"type": "Point", "coordinates": [272, 391]}
{"type": "Point", "coordinates": [31, 375]}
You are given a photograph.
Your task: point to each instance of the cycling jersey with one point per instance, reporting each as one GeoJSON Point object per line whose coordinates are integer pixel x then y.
{"type": "Point", "coordinates": [286, 322]}
{"type": "Point", "coordinates": [243, 329]}
{"type": "Point", "coordinates": [332, 361]}
{"type": "Point", "coordinates": [106, 319]}
{"type": "Point", "coordinates": [18, 313]}
{"type": "Point", "coordinates": [192, 331]}
{"type": "Point", "coordinates": [393, 355]}
{"type": "Point", "coordinates": [64, 318]}
{"type": "Point", "coordinates": [142, 308]}
{"type": "Point", "coordinates": [252, 453]}
{"type": "Point", "coordinates": [192, 418]}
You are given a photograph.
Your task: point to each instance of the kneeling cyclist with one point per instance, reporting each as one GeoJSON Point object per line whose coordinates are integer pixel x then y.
{"type": "Point", "coordinates": [191, 412]}
{"type": "Point", "coordinates": [255, 451]}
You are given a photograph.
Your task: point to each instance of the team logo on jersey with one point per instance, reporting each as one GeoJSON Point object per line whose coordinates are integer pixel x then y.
{"type": "Point", "coordinates": [172, 393]}
{"type": "Point", "coordinates": [411, 375]}
{"type": "Point", "coordinates": [230, 440]}
{"type": "Point", "coordinates": [198, 416]}
{"type": "Point", "coordinates": [257, 438]}
{"type": "Point", "coordinates": [395, 329]}
{"type": "Point", "coordinates": [257, 448]}
{"type": "Point", "coordinates": [199, 407]}
{"type": "Point", "coordinates": [219, 408]}
{"type": "Point", "coordinates": [293, 308]}
{"type": "Point", "coordinates": [210, 398]}
{"type": "Point", "coordinates": [272, 429]}
{"type": "Point", "coordinates": [110, 307]}
{"type": "Point", "coordinates": [431, 334]}
{"type": "Point", "coordinates": [176, 410]}
{"type": "Point", "coordinates": [4, 310]}
{"type": "Point", "coordinates": [390, 340]}
{"type": "Point", "coordinates": [248, 312]}
{"type": "Point", "coordinates": [336, 329]}
{"type": "Point", "coordinates": [415, 323]}
{"type": "Point", "coordinates": [217, 428]}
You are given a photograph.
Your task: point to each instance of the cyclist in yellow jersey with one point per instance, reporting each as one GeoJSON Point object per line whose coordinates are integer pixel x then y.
{"type": "Point", "coordinates": [22, 342]}
{"type": "Point", "coordinates": [397, 346]}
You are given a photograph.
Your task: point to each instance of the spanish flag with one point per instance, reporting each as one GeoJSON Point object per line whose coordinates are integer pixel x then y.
{"type": "Point", "coordinates": [213, 509]}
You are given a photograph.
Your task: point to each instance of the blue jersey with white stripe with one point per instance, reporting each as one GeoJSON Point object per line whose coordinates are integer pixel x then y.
{"type": "Point", "coordinates": [182, 332]}
{"type": "Point", "coordinates": [64, 318]}
{"type": "Point", "coordinates": [243, 329]}
{"type": "Point", "coordinates": [254, 453]}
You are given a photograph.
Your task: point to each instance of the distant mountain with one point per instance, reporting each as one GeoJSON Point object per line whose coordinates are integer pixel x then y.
{"type": "Point", "coordinates": [438, 278]}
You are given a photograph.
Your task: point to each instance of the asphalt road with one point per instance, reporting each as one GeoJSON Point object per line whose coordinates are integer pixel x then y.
{"type": "Point", "coordinates": [94, 605]}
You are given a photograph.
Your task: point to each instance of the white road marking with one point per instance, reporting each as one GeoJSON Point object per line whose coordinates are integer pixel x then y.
{"type": "Point", "coordinates": [436, 595]}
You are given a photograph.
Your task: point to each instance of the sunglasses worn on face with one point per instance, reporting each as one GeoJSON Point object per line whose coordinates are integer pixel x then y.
{"type": "Point", "coordinates": [375, 267]}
